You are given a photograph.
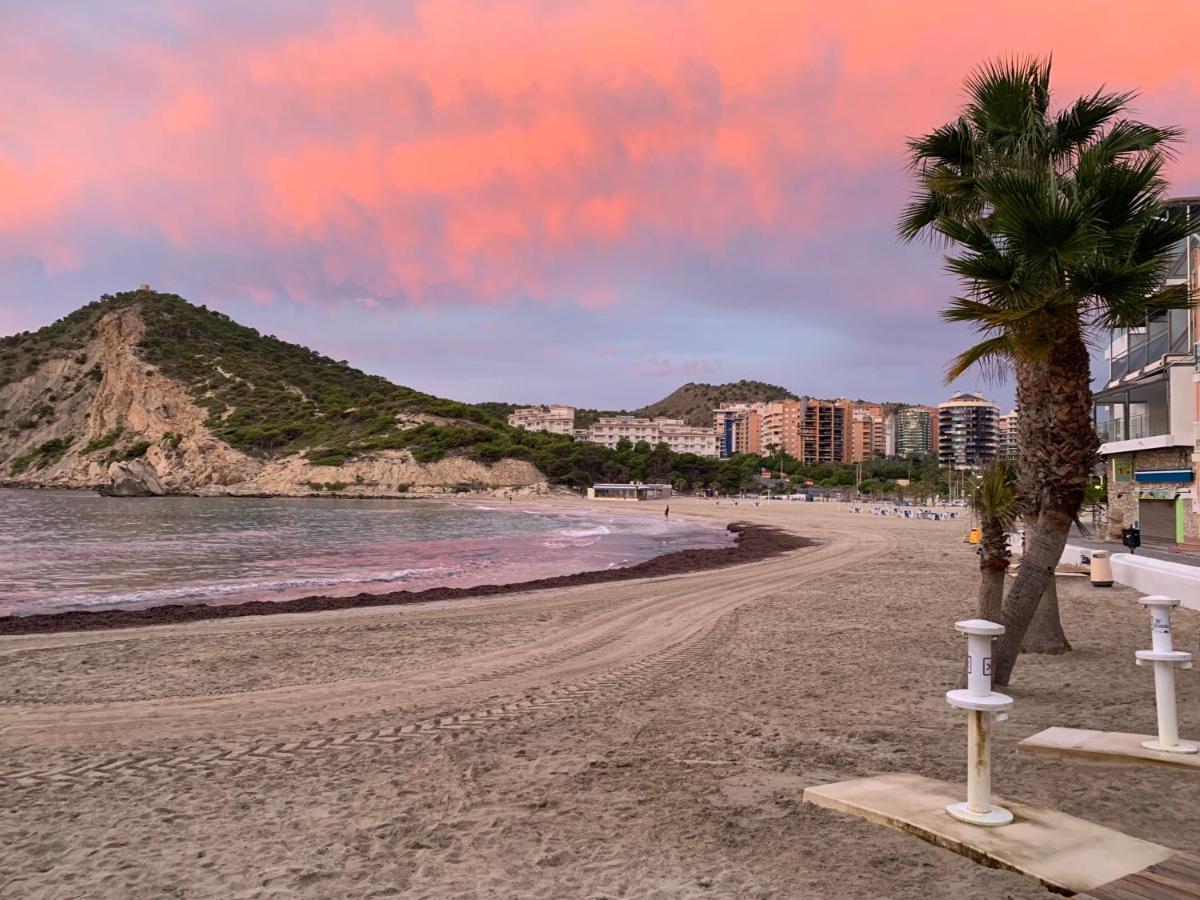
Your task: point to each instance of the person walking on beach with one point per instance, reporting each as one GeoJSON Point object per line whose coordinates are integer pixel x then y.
{"type": "Point", "coordinates": [667, 513]}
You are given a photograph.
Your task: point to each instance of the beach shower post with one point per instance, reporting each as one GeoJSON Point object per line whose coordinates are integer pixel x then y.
{"type": "Point", "coordinates": [1164, 657]}
{"type": "Point", "coordinates": [982, 705]}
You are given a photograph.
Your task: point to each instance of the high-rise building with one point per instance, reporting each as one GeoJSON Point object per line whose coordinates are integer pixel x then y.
{"type": "Point", "coordinates": [1147, 412]}
{"type": "Point", "coordinates": [725, 422]}
{"type": "Point", "coordinates": [1006, 437]}
{"type": "Point", "coordinates": [739, 428]}
{"type": "Point", "coordinates": [555, 419]}
{"type": "Point", "coordinates": [915, 430]}
{"type": "Point", "coordinates": [808, 430]}
{"type": "Point", "coordinates": [967, 434]}
{"type": "Point", "coordinates": [867, 432]}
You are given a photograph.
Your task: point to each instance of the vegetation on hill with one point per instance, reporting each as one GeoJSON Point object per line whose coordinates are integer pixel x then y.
{"type": "Point", "coordinates": [694, 403]}
{"type": "Point", "coordinates": [21, 354]}
{"type": "Point", "coordinates": [264, 396]}
{"type": "Point", "coordinates": [497, 410]}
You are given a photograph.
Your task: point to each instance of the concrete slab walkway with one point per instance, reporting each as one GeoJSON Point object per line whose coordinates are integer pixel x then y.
{"type": "Point", "coordinates": [1105, 747]}
{"type": "Point", "coordinates": [1066, 854]}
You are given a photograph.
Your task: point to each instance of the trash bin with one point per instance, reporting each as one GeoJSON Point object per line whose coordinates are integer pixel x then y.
{"type": "Point", "coordinates": [1131, 537]}
{"type": "Point", "coordinates": [1101, 569]}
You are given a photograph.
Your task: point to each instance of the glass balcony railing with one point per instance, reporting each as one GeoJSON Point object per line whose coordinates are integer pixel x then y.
{"type": "Point", "coordinates": [1108, 432]}
{"type": "Point", "coordinates": [1124, 429]}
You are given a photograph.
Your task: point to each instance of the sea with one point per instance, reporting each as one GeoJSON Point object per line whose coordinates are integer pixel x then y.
{"type": "Point", "coordinates": [68, 550]}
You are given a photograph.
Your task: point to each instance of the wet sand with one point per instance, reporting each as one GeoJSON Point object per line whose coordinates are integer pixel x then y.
{"type": "Point", "coordinates": [644, 738]}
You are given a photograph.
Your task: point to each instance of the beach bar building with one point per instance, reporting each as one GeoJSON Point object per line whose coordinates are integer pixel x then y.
{"type": "Point", "coordinates": [632, 492]}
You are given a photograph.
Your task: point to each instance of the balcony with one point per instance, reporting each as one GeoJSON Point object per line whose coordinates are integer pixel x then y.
{"type": "Point", "coordinates": [1129, 429]}
{"type": "Point", "coordinates": [1153, 411]}
{"type": "Point", "coordinates": [1164, 334]}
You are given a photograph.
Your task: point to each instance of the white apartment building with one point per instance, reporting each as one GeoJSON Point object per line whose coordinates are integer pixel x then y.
{"type": "Point", "coordinates": [1006, 437]}
{"type": "Point", "coordinates": [554, 419]}
{"type": "Point", "coordinates": [967, 435]}
{"type": "Point", "coordinates": [675, 433]}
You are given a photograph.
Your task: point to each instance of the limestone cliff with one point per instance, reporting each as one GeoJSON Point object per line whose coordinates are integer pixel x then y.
{"type": "Point", "coordinates": [86, 396]}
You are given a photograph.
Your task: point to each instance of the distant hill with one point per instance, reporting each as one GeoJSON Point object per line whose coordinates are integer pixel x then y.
{"type": "Point", "coordinates": [695, 402]}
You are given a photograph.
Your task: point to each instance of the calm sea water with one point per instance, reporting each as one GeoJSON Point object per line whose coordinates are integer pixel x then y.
{"type": "Point", "coordinates": [72, 550]}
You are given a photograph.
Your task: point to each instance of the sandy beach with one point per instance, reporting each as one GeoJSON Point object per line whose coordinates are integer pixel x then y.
{"type": "Point", "coordinates": [646, 738]}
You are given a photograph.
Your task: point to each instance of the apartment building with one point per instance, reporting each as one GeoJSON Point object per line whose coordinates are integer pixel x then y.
{"type": "Point", "coordinates": [967, 431]}
{"type": "Point", "coordinates": [889, 436]}
{"type": "Point", "coordinates": [555, 419]}
{"type": "Point", "coordinates": [811, 431]}
{"type": "Point", "coordinates": [1006, 437]}
{"type": "Point", "coordinates": [739, 428]}
{"type": "Point", "coordinates": [868, 433]}
{"type": "Point", "coordinates": [916, 430]}
{"type": "Point", "coordinates": [1148, 412]}
{"type": "Point", "coordinates": [675, 433]}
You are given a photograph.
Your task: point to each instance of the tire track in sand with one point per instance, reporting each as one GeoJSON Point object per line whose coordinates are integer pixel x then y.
{"type": "Point", "coordinates": [639, 632]}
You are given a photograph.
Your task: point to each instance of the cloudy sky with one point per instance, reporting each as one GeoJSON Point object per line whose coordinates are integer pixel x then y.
{"type": "Point", "coordinates": [534, 200]}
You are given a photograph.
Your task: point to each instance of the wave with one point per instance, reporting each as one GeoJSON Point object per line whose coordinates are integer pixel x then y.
{"type": "Point", "coordinates": [575, 537]}
{"type": "Point", "coordinates": [585, 532]}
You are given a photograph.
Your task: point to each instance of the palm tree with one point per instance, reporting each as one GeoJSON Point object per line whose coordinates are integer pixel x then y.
{"type": "Point", "coordinates": [993, 499]}
{"type": "Point", "coordinates": [1059, 224]}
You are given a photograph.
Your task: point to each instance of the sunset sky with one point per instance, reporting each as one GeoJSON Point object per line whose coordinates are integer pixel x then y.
{"type": "Point", "coordinates": [534, 201]}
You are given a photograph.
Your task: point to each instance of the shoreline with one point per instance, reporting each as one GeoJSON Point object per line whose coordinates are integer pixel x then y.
{"type": "Point", "coordinates": [552, 494]}
{"type": "Point", "coordinates": [751, 543]}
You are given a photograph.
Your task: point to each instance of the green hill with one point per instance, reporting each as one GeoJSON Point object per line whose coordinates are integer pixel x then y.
{"type": "Point", "coordinates": [263, 397]}
{"type": "Point", "coordinates": [695, 402]}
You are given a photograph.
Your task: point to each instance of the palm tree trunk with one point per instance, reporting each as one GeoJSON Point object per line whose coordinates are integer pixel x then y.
{"type": "Point", "coordinates": [1043, 549]}
{"type": "Point", "coordinates": [1045, 634]}
{"type": "Point", "coordinates": [1058, 445]}
{"type": "Point", "coordinates": [991, 592]}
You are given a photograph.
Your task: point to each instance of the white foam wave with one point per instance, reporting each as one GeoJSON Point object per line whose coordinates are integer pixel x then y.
{"type": "Point", "coordinates": [585, 532]}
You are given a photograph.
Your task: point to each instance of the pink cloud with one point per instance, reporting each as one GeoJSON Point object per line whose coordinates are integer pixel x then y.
{"type": "Point", "coordinates": [417, 158]}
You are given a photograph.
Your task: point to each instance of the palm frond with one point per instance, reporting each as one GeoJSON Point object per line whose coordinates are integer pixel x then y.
{"type": "Point", "coordinates": [993, 497]}
{"type": "Point", "coordinates": [951, 145]}
{"type": "Point", "coordinates": [1132, 311]}
{"type": "Point", "coordinates": [992, 355]}
{"type": "Point", "coordinates": [1081, 122]}
{"type": "Point", "coordinates": [918, 217]}
{"type": "Point", "coordinates": [1008, 103]}
{"type": "Point", "coordinates": [1127, 137]}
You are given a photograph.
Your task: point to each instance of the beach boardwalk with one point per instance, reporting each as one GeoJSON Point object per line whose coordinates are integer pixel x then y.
{"type": "Point", "coordinates": [1177, 878]}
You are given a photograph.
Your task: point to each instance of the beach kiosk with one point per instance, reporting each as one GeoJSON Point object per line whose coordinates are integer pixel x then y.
{"type": "Point", "coordinates": [632, 492]}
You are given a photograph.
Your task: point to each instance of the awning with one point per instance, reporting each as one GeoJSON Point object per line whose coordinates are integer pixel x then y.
{"type": "Point", "coordinates": [1164, 476]}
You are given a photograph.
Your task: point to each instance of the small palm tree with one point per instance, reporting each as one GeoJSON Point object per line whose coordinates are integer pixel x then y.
{"type": "Point", "coordinates": [993, 499]}
{"type": "Point", "coordinates": [1060, 226]}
